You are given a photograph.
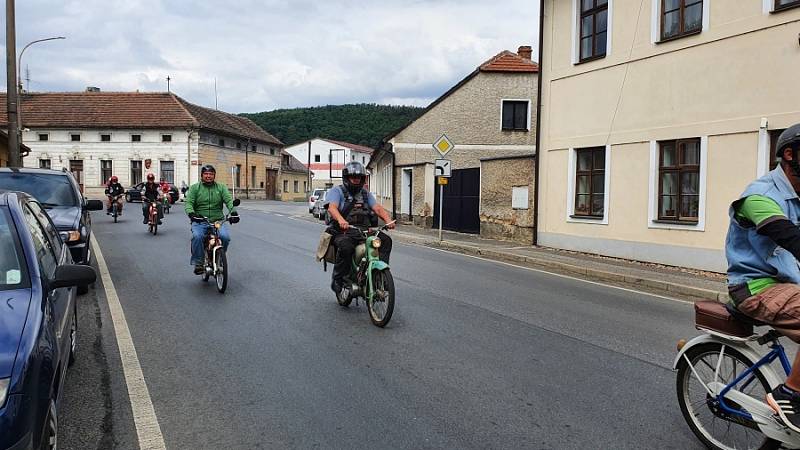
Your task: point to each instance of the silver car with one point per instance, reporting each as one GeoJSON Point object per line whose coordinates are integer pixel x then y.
{"type": "Point", "coordinates": [319, 211]}
{"type": "Point", "coordinates": [312, 199]}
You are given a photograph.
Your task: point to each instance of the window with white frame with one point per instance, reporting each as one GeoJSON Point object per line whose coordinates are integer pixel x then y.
{"type": "Point", "coordinates": [780, 5]}
{"type": "Point", "coordinates": [105, 170]}
{"type": "Point", "coordinates": [590, 180]}
{"type": "Point", "coordinates": [44, 137]}
{"type": "Point", "coordinates": [679, 180]}
{"type": "Point", "coordinates": [680, 18]}
{"type": "Point", "coordinates": [592, 29]}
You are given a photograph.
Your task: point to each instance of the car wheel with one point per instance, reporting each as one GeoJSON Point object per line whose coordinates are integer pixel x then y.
{"type": "Point", "coordinates": [73, 337]}
{"type": "Point", "coordinates": [50, 434]}
{"type": "Point", "coordinates": [128, 198]}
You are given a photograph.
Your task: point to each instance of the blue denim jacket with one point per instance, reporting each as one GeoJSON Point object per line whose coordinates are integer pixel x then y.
{"type": "Point", "coordinates": [752, 256]}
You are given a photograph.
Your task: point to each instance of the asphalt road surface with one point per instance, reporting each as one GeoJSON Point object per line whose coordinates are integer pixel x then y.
{"type": "Point", "coordinates": [478, 354]}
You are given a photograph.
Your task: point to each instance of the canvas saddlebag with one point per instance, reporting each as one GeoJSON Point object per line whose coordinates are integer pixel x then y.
{"type": "Point", "coordinates": [326, 251]}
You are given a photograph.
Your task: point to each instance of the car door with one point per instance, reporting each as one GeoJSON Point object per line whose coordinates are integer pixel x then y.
{"type": "Point", "coordinates": [50, 253]}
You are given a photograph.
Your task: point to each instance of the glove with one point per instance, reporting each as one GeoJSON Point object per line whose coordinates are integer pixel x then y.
{"type": "Point", "coordinates": [234, 218]}
{"type": "Point", "coordinates": [194, 217]}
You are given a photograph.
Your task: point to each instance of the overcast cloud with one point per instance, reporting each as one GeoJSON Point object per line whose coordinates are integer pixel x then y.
{"type": "Point", "coordinates": [269, 54]}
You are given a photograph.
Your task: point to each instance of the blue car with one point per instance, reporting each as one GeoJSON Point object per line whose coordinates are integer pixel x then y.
{"type": "Point", "coordinates": [38, 322]}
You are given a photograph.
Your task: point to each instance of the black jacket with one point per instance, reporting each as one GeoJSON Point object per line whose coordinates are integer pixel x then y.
{"type": "Point", "coordinates": [115, 189]}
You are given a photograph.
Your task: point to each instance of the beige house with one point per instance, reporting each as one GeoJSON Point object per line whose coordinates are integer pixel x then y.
{"type": "Point", "coordinates": [293, 179]}
{"type": "Point", "coordinates": [654, 119]}
{"type": "Point", "coordinates": [489, 114]}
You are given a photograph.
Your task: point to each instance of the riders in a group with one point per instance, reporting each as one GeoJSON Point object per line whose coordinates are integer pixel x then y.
{"type": "Point", "coordinates": [763, 249]}
{"type": "Point", "coordinates": [114, 189]}
{"type": "Point", "coordinates": [351, 204]}
{"type": "Point", "coordinates": [151, 194]}
{"type": "Point", "coordinates": [206, 200]}
{"type": "Point", "coordinates": [165, 188]}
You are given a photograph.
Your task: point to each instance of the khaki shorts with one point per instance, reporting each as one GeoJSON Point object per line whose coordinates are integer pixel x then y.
{"type": "Point", "coordinates": [779, 306]}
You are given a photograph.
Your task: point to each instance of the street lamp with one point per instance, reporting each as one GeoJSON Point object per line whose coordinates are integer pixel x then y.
{"type": "Point", "coordinates": [19, 83]}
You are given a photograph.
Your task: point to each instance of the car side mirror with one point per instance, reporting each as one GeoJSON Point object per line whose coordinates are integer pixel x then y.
{"type": "Point", "coordinates": [237, 202]}
{"type": "Point", "coordinates": [73, 275]}
{"type": "Point", "coordinates": [94, 205]}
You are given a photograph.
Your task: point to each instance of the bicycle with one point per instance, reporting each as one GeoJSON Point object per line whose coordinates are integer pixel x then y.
{"type": "Point", "coordinates": [115, 212]}
{"type": "Point", "coordinates": [152, 218]}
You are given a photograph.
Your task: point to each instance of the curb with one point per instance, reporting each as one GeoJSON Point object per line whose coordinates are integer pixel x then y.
{"type": "Point", "coordinates": [695, 293]}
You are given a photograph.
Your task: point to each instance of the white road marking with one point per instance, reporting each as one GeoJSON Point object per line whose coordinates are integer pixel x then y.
{"type": "Point", "coordinates": [144, 415]}
{"type": "Point", "coordinates": [558, 275]}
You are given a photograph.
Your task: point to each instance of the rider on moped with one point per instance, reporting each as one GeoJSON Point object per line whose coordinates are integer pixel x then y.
{"type": "Point", "coordinates": [114, 189]}
{"type": "Point", "coordinates": [763, 250]}
{"type": "Point", "coordinates": [350, 204]}
{"type": "Point", "coordinates": [206, 200]}
{"type": "Point", "coordinates": [151, 193]}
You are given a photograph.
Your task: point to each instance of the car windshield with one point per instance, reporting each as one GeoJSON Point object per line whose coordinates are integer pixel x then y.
{"type": "Point", "coordinates": [50, 190]}
{"type": "Point", "coordinates": [12, 269]}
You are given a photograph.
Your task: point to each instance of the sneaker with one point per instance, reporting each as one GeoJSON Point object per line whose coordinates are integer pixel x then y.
{"type": "Point", "coordinates": [786, 404]}
{"type": "Point", "coordinates": [199, 269]}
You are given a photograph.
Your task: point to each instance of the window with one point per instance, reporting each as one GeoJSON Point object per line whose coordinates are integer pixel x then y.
{"type": "Point", "coordinates": [773, 147]}
{"type": "Point", "coordinates": [590, 181]}
{"type": "Point", "coordinates": [136, 138]}
{"type": "Point", "coordinates": [238, 183]}
{"type": "Point", "coordinates": [593, 27]}
{"type": "Point", "coordinates": [305, 186]}
{"type": "Point", "coordinates": [12, 265]}
{"type": "Point", "coordinates": [75, 137]}
{"type": "Point", "coordinates": [136, 172]}
{"type": "Point", "coordinates": [105, 170]}
{"type": "Point", "coordinates": [166, 138]}
{"type": "Point", "coordinates": [45, 253]}
{"type": "Point", "coordinates": [238, 145]}
{"type": "Point", "coordinates": [271, 151]}
{"type": "Point", "coordinates": [44, 137]}
{"type": "Point", "coordinates": [679, 180]}
{"type": "Point", "coordinates": [316, 158]}
{"type": "Point", "coordinates": [221, 142]}
{"type": "Point", "coordinates": [285, 185]}
{"type": "Point", "coordinates": [296, 186]}
{"type": "Point", "coordinates": [680, 18]}
{"type": "Point", "coordinates": [252, 176]}
{"type": "Point", "coordinates": [515, 115]}
{"type": "Point", "coordinates": [785, 4]}
{"type": "Point", "coordinates": [44, 164]}
{"type": "Point", "coordinates": [254, 148]}
{"type": "Point", "coordinates": [168, 171]}
{"type": "Point", "coordinates": [105, 138]}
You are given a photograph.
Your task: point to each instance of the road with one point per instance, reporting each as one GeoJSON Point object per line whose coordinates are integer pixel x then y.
{"type": "Point", "coordinates": [479, 354]}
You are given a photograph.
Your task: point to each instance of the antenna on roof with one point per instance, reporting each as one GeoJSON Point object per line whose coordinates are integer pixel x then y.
{"type": "Point", "coordinates": [168, 79]}
{"type": "Point", "coordinates": [216, 106]}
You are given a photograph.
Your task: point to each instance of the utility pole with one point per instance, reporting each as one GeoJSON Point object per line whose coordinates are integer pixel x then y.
{"type": "Point", "coordinates": [14, 156]}
{"type": "Point", "coordinates": [309, 167]}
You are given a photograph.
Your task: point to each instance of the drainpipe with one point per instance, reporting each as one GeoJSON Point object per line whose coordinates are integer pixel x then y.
{"type": "Point", "coordinates": [189, 156]}
{"type": "Point", "coordinates": [536, 159]}
{"type": "Point", "coordinates": [394, 187]}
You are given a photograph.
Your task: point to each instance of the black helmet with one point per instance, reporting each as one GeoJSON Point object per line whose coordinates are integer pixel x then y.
{"type": "Point", "coordinates": [207, 168]}
{"type": "Point", "coordinates": [789, 138]}
{"type": "Point", "coordinates": [353, 169]}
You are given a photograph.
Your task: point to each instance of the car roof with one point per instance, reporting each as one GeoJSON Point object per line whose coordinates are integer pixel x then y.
{"type": "Point", "coordinates": [33, 170]}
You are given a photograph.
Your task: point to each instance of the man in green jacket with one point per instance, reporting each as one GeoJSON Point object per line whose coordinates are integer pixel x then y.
{"type": "Point", "coordinates": [206, 200]}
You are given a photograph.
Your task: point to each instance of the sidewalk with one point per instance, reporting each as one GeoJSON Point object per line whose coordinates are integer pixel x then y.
{"type": "Point", "coordinates": [671, 281]}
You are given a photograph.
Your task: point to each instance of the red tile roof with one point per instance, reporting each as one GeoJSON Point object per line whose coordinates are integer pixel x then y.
{"type": "Point", "coordinates": [507, 61]}
{"type": "Point", "coordinates": [128, 110]}
{"type": "Point", "coordinates": [354, 147]}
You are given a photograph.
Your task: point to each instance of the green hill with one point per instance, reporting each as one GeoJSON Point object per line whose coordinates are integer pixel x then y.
{"type": "Point", "coordinates": [364, 124]}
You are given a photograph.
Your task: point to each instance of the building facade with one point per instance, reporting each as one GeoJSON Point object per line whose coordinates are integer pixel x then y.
{"type": "Point", "coordinates": [293, 181]}
{"type": "Point", "coordinates": [489, 114]}
{"type": "Point", "coordinates": [327, 159]}
{"type": "Point", "coordinates": [97, 134]}
{"type": "Point", "coordinates": [655, 116]}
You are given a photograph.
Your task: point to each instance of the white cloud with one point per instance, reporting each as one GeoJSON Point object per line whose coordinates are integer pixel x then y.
{"type": "Point", "coordinates": [270, 54]}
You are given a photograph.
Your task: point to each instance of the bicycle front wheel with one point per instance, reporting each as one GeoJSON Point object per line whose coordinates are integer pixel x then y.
{"type": "Point", "coordinates": [702, 411]}
{"type": "Point", "coordinates": [221, 274]}
{"type": "Point", "coordinates": [381, 306]}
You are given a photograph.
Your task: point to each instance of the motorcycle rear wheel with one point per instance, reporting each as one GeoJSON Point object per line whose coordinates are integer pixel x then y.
{"type": "Point", "coordinates": [696, 405]}
{"type": "Point", "coordinates": [221, 275]}
{"type": "Point", "coordinates": [381, 306]}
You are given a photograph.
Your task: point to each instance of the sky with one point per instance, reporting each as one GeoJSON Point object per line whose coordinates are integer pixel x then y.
{"type": "Point", "coordinates": [268, 54]}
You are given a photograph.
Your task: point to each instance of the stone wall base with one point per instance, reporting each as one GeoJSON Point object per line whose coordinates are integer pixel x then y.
{"type": "Point", "coordinates": [505, 232]}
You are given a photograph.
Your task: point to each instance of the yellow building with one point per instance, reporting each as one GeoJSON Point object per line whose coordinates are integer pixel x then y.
{"type": "Point", "coordinates": [653, 120]}
{"type": "Point", "coordinates": [293, 179]}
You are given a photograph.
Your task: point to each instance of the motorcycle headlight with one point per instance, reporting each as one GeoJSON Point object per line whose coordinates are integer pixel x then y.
{"type": "Point", "coordinates": [4, 390]}
{"type": "Point", "coordinates": [376, 243]}
{"type": "Point", "coordinates": [70, 236]}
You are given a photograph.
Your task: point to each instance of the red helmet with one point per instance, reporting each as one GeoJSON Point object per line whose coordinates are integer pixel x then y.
{"type": "Point", "coordinates": [151, 177]}
{"type": "Point", "coordinates": [113, 179]}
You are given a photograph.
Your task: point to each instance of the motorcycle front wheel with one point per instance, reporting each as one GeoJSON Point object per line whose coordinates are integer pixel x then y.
{"type": "Point", "coordinates": [702, 412]}
{"type": "Point", "coordinates": [221, 275]}
{"type": "Point", "coordinates": [381, 306]}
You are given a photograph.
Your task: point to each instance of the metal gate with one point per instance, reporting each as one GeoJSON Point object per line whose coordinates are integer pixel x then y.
{"type": "Point", "coordinates": [461, 202]}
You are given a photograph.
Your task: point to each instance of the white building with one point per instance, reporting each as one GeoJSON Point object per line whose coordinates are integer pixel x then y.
{"type": "Point", "coordinates": [130, 134]}
{"type": "Point", "coordinates": [327, 158]}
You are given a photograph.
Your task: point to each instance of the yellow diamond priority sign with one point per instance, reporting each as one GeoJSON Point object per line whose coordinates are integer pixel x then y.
{"type": "Point", "coordinates": [443, 145]}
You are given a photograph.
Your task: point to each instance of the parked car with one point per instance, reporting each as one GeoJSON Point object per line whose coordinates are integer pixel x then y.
{"type": "Point", "coordinates": [61, 196]}
{"type": "Point", "coordinates": [320, 206]}
{"type": "Point", "coordinates": [39, 321]}
{"type": "Point", "coordinates": [134, 193]}
{"type": "Point", "coordinates": [313, 199]}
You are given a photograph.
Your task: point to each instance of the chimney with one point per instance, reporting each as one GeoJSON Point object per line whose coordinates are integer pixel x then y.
{"type": "Point", "coordinates": [525, 51]}
{"type": "Point", "coordinates": [92, 89]}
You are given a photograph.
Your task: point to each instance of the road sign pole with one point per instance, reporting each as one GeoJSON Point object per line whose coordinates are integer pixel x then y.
{"type": "Point", "coordinates": [441, 203]}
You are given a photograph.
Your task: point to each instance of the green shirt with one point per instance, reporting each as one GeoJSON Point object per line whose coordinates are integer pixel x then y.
{"type": "Point", "coordinates": [208, 201]}
{"type": "Point", "coordinates": [759, 211]}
